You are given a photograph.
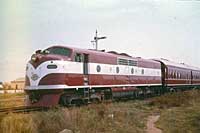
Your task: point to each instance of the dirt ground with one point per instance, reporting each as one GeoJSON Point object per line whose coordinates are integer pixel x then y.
{"type": "Point", "coordinates": [151, 128]}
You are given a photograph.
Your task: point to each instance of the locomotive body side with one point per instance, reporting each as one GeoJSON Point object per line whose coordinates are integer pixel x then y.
{"type": "Point", "coordinates": [68, 71]}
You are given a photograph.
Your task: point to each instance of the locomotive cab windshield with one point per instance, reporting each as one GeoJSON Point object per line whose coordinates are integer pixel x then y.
{"type": "Point", "coordinates": [58, 51]}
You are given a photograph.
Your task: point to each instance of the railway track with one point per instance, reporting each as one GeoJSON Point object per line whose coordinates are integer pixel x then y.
{"type": "Point", "coordinates": [21, 109]}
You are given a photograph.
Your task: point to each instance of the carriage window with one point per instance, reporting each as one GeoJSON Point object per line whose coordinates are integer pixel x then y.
{"type": "Point", "coordinates": [171, 74]}
{"type": "Point", "coordinates": [59, 51]}
{"type": "Point", "coordinates": [174, 74]}
{"type": "Point", "coordinates": [78, 58]}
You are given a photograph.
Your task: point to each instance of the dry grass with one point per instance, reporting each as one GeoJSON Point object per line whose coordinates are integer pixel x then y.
{"type": "Point", "coordinates": [180, 112]}
{"type": "Point", "coordinates": [10, 100]}
{"type": "Point", "coordinates": [183, 113]}
{"type": "Point", "coordinates": [180, 120]}
{"type": "Point", "coordinates": [177, 99]}
{"type": "Point", "coordinates": [11, 95]}
{"type": "Point", "coordinates": [129, 117]}
{"type": "Point", "coordinates": [17, 123]}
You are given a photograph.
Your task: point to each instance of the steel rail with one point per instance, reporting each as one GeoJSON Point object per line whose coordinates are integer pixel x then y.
{"type": "Point", "coordinates": [22, 109]}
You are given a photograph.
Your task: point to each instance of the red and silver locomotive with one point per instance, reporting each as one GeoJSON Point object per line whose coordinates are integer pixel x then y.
{"type": "Point", "coordinates": [67, 75]}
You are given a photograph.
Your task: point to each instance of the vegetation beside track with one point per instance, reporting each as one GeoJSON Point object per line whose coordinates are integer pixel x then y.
{"type": "Point", "coordinates": [11, 95]}
{"type": "Point", "coordinates": [11, 100]}
{"type": "Point", "coordinates": [180, 120]}
{"type": "Point", "coordinates": [179, 112]}
{"type": "Point", "coordinates": [128, 116]}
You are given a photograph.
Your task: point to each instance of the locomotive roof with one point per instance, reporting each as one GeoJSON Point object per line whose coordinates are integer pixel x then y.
{"type": "Point", "coordinates": [180, 65]}
{"type": "Point", "coordinates": [109, 53]}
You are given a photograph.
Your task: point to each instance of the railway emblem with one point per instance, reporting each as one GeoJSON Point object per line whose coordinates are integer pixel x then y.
{"type": "Point", "coordinates": [34, 77]}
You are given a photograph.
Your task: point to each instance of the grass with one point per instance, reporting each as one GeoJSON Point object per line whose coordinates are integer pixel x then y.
{"type": "Point", "coordinates": [178, 99]}
{"type": "Point", "coordinates": [129, 117]}
{"type": "Point", "coordinates": [11, 95]}
{"type": "Point", "coordinates": [180, 120]}
{"type": "Point", "coordinates": [180, 113]}
{"type": "Point", "coordinates": [10, 100]}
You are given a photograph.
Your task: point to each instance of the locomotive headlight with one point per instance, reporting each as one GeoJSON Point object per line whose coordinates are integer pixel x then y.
{"type": "Point", "coordinates": [45, 52]}
{"type": "Point", "coordinates": [34, 57]}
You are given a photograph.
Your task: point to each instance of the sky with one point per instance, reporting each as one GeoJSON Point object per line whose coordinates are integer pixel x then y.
{"type": "Point", "coordinates": [142, 28]}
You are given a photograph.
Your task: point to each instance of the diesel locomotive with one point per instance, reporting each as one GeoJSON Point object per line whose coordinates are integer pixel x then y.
{"type": "Point", "coordinates": [67, 75]}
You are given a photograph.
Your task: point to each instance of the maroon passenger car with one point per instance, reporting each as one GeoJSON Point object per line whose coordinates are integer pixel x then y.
{"type": "Point", "coordinates": [179, 74]}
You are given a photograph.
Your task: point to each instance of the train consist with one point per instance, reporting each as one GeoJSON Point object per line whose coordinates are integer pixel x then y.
{"type": "Point", "coordinates": [67, 75]}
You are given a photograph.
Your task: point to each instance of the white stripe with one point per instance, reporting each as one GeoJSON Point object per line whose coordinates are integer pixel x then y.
{"type": "Point", "coordinates": [70, 67]}
{"type": "Point", "coordinates": [183, 84]}
{"type": "Point", "coordinates": [108, 69]}
{"type": "Point", "coordinates": [87, 86]}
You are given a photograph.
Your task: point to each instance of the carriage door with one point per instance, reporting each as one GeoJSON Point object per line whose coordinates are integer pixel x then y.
{"type": "Point", "coordinates": [191, 79]}
{"type": "Point", "coordinates": [85, 69]}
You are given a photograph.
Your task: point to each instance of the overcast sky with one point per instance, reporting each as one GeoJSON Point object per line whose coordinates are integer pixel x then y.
{"type": "Point", "coordinates": [147, 28]}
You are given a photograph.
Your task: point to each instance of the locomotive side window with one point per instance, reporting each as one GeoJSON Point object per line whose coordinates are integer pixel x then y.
{"type": "Point", "coordinates": [59, 51]}
{"type": "Point", "coordinates": [121, 61]}
{"type": "Point", "coordinates": [78, 57]}
{"type": "Point", "coordinates": [132, 63]}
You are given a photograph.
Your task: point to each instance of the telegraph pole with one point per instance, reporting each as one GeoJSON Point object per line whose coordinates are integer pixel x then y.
{"type": "Point", "coordinates": [96, 38]}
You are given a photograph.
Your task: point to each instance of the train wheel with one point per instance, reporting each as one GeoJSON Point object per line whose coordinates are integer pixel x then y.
{"type": "Point", "coordinates": [172, 90]}
{"type": "Point", "coordinates": [64, 100]}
